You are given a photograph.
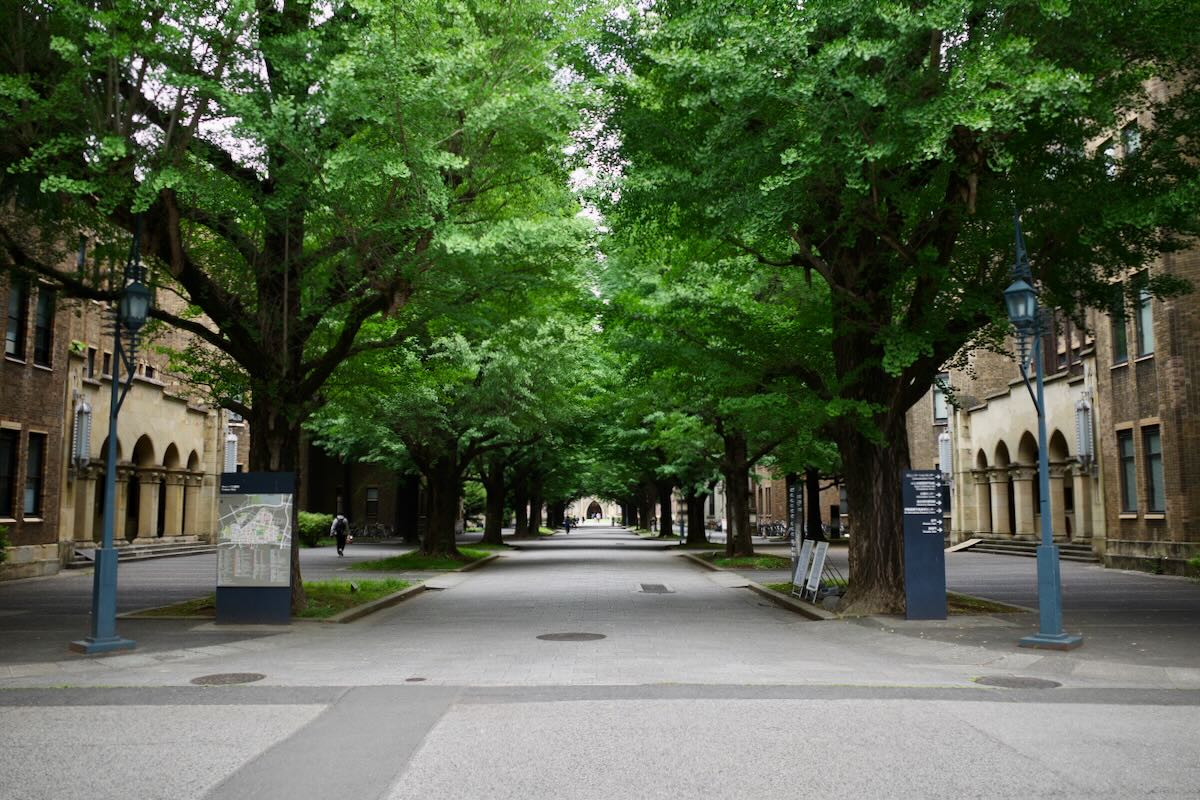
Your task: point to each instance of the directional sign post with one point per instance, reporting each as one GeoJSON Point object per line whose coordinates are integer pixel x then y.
{"type": "Point", "coordinates": [924, 544]}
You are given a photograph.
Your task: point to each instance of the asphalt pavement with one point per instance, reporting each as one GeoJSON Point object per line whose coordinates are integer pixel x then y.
{"type": "Point", "coordinates": [598, 665]}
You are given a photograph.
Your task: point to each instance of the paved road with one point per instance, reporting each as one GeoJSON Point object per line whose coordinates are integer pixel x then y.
{"type": "Point", "coordinates": [696, 689]}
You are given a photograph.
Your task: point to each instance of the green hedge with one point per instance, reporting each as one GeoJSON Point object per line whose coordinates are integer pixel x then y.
{"type": "Point", "coordinates": [313, 527]}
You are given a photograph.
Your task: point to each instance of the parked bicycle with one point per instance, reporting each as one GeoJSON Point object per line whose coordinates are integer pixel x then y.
{"type": "Point", "coordinates": [371, 530]}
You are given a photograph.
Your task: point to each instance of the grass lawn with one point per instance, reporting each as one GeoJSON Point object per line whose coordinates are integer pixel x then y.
{"type": "Point", "coordinates": [762, 561]}
{"type": "Point", "coordinates": [415, 561]}
{"type": "Point", "coordinates": [956, 604]}
{"type": "Point", "coordinates": [325, 598]}
{"type": "Point", "coordinates": [324, 541]}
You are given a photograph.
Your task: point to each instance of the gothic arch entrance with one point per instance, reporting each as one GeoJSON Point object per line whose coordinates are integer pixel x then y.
{"type": "Point", "coordinates": [594, 510]}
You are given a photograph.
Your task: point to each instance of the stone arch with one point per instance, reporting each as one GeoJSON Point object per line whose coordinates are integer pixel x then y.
{"type": "Point", "coordinates": [193, 462]}
{"type": "Point", "coordinates": [1058, 449]}
{"type": "Point", "coordinates": [171, 457]}
{"type": "Point", "coordinates": [981, 460]}
{"type": "Point", "coordinates": [104, 451]}
{"type": "Point", "coordinates": [143, 452]}
{"type": "Point", "coordinates": [1002, 458]}
{"type": "Point", "coordinates": [1027, 449]}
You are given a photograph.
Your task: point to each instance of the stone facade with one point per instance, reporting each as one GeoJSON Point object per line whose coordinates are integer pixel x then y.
{"type": "Point", "coordinates": [1135, 501]}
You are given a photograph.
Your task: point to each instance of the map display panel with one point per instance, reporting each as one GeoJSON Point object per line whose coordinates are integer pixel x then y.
{"type": "Point", "coordinates": [254, 539]}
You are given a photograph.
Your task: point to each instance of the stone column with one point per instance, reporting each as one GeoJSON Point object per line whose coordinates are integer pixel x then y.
{"type": "Point", "coordinates": [1058, 501]}
{"type": "Point", "coordinates": [983, 501]}
{"type": "Point", "coordinates": [999, 504]}
{"type": "Point", "coordinates": [1023, 500]}
{"type": "Point", "coordinates": [125, 473]}
{"type": "Point", "coordinates": [173, 520]}
{"type": "Point", "coordinates": [1083, 502]}
{"type": "Point", "coordinates": [148, 483]}
{"type": "Point", "coordinates": [85, 504]}
{"type": "Point", "coordinates": [191, 504]}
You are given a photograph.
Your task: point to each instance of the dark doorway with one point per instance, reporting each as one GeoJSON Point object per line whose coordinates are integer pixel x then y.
{"type": "Point", "coordinates": [594, 511]}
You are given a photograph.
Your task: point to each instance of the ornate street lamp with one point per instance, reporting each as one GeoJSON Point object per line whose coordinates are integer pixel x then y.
{"type": "Point", "coordinates": [1021, 300]}
{"type": "Point", "coordinates": [133, 306]}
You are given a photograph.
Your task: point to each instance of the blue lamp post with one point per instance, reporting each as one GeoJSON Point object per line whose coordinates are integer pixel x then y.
{"type": "Point", "coordinates": [133, 306]}
{"type": "Point", "coordinates": [1021, 300]}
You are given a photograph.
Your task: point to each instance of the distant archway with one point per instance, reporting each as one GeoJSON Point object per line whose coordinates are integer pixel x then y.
{"type": "Point", "coordinates": [594, 511]}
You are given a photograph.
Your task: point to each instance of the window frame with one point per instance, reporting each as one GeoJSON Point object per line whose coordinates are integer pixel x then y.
{"type": "Point", "coordinates": [8, 471]}
{"type": "Point", "coordinates": [1120, 333]}
{"type": "Point", "coordinates": [369, 501]}
{"type": "Point", "coordinates": [43, 327]}
{"type": "Point", "coordinates": [17, 334]}
{"type": "Point", "coordinates": [35, 475]}
{"type": "Point", "coordinates": [1144, 324]}
{"type": "Point", "coordinates": [1152, 460]}
{"type": "Point", "coordinates": [1127, 471]}
{"type": "Point", "coordinates": [939, 390]}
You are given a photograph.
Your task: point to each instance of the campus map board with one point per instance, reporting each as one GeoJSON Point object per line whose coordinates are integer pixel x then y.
{"type": "Point", "coordinates": [254, 539]}
{"type": "Point", "coordinates": [254, 547]}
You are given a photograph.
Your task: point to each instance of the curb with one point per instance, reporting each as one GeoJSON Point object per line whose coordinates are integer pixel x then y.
{"type": "Point", "coordinates": [352, 614]}
{"type": "Point", "coordinates": [801, 607]}
{"type": "Point", "coordinates": [477, 564]}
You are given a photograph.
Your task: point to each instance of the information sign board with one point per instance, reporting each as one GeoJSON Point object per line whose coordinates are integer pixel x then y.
{"type": "Point", "coordinates": [924, 544]}
{"type": "Point", "coordinates": [795, 510]}
{"type": "Point", "coordinates": [818, 567]}
{"type": "Point", "coordinates": [254, 546]}
{"type": "Point", "coordinates": [800, 566]}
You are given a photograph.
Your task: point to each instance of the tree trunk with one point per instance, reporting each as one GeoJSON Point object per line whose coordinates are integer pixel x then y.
{"type": "Point", "coordinates": [664, 506]}
{"type": "Point", "coordinates": [555, 512]}
{"type": "Point", "coordinates": [873, 490]}
{"type": "Point", "coordinates": [812, 508]}
{"type": "Point", "coordinates": [645, 505]}
{"type": "Point", "coordinates": [695, 518]}
{"type": "Point", "coordinates": [535, 507]}
{"type": "Point", "coordinates": [521, 505]}
{"type": "Point", "coordinates": [445, 490]}
{"type": "Point", "coordinates": [408, 510]}
{"type": "Point", "coordinates": [493, 484]}
{"type": "Point", "coordinates": [735, 468]}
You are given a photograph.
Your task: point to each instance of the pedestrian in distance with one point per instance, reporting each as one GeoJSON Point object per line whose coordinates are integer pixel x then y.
{"type": "Point", "coordinates": [341, 530]}
{"type": "Point", "coordinates": [566, 524]}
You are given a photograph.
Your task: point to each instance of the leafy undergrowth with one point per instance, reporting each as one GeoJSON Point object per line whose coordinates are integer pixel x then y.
{"type": "Point", "coordinates": [325, 599]}
{"type": "Point", "coordinates": [956, 604]}
{"type": "Point", "coordinates": [762, 561]}
{"type": "Point", "coordinates": [416, 561]}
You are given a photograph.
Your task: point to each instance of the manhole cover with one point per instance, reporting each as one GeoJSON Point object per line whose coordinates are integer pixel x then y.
{"type": "Point", "coordinates": [571, 637]}
{"type": "Point", "coordinates": [655, 588]}
{"type": "Point", "coordinates": [1016, 682]}
{"type": "Point", "coordinates": [226, 678]}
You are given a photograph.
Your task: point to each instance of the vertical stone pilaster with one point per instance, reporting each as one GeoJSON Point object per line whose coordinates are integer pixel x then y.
{"type": "Point", "coordinates": [1083, 502]}
{"type": "Point", "coordinates": [148, 483]}
{"type": "Point", "coordinates": [1023, 500]}
{"type": "Point", "coordinates": [173, 518]}
{"type": "Point", "coordinates": [983, 501]}
{"type": "Point", "coordinates": [125, 473]}
{"type": "Point", "coordinates": [1058, 501]}
{"type": "Point", "coordinates": [86, 486]}
{"type": "Point", "coordinates": [999, 504]}
{"type": "Point", "coordinates": [191, 504]}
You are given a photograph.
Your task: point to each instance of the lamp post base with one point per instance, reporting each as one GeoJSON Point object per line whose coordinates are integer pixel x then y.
{"type": "Point", "coordinates": [90, 646]}
{"type": "Point", "coordinates": [1047, 641]}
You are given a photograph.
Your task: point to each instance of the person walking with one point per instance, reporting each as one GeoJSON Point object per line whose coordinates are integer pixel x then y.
{"type": "Point", "coordinates": [566, 524]}
{"type": "Point", "coordinates": [341, 530]}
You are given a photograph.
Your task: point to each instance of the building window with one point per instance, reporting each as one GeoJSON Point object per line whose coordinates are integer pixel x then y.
{"type": "Point", "coordinates": [1120, 339]}
{"type": "Point", "coordinates": [9, 442]}
{"type": "Point", "coordinates": [941, 406]}
{"type": "Point", "coordinates": [43, 327]}
{"type": "Point", "coordinates": [1131, 139]}
{"type": "Point", "coordinates": [106, 365]}
{"type": "Point", "coordinates": [1128, 471]}
{"type": "Point", "coordinates": [35, 462]}
{"type": "Point", "coordinates": [149, 372]}
{"type": "Point", "coordinates": [712, 504]}
{"type": "Point", "coordinates": [1109, 149]}
{"type": "Point", "coordinates": [1144, 325]}
{"type": "Point", "coordinates": [1152, 450]}
{"type": "Point", "coordinates": [372, 502]}
{"type": "Point", "coordinates": [18, 319]}
{"type": "Point", "coordinates": [767, 500]}
{"type": "Point", "coordinates": [91, 362]}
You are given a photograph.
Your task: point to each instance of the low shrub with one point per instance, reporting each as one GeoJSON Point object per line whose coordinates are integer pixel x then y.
{"type": "Point", "coordinates": [312, 527]}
